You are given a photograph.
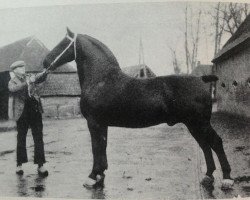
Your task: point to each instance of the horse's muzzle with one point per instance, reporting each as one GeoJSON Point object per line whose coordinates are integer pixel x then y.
{"type": "Point", "coordinates": [46, 64]}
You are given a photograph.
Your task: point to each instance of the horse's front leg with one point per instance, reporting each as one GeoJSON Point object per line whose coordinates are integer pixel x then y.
{"type": "Point", "coordinates": [99, 144]}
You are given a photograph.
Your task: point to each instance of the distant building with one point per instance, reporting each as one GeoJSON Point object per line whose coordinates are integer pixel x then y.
{"type": "Point", "coordinates": [32, 51]}
{"type": "Point", "coordinates": [202, 69]}
{"type": "Point", "coordinates": [139, 71]}
{"type": "Point", "coordinates": [61, 95]}
{"type": "Point", "coordinates": [232, 66]}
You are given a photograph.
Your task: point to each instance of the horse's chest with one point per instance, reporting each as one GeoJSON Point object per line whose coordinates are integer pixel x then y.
{"type": "Point", "coordinates": [97, 97]}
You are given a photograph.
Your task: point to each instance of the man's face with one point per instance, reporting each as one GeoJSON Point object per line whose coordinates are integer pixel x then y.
{"type": "Point", "coordinates": [20, 71]}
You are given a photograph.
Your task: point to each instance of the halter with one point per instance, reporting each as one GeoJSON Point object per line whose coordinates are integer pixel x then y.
{"type": "Point", "coordinates": [72, 41]}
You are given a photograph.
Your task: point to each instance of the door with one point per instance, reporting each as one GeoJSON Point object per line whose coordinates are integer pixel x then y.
{"type": "Point", "coordinates": [4, 95]}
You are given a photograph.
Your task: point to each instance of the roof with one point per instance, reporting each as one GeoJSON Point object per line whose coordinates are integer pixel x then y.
{"type": "Point", "coordinates": [201, 70]}
{"type": "Point", "coordinates": [64, 84]}
{"type": "Point", "coordinates": [241, 38]}
{"type": "Point", "coordinates": [11, 53]}
{"type": "Point", "coordinates": [32, 51]}
{"type": "Point", "coordinates": [135, 70]}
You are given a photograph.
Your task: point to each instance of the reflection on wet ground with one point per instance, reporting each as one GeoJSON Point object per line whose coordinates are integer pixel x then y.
{"type": "Point", "coordinates": [208, 192]}
{"type": "Point", "coordinates": [97, 193]}
{"type": "Point", "coordinates": [240, 183]}
{"type": "Point", "coordinates": [31, 185]}
{"type": "Point", "coordinates": [22, 186]}
{"type": "Point", "coordinates": [6, 152]}
{"type": "Point", "coordinates": [35, 186]}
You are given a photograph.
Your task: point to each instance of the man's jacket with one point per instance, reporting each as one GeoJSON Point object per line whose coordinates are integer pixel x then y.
{"type": "Point", "coordinates": [20, 91]}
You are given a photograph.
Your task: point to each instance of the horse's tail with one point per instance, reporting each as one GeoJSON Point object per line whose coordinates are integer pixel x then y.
{"type": "Point", "coordinates": [209, 78]}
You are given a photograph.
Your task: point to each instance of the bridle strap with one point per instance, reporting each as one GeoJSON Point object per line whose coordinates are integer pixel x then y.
{"type": "Point", "coordinates": [72, 41]}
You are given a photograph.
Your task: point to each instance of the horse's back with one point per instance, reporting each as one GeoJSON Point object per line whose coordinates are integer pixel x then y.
{"type": "Point", "coordinates": [175, 98]}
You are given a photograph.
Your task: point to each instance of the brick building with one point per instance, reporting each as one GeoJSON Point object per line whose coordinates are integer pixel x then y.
{"type": "Point", "coordinates": [232, 66]}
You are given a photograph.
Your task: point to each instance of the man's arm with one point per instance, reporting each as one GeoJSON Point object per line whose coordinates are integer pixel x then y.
{"type": "Point", "coordinates": [14, 87]}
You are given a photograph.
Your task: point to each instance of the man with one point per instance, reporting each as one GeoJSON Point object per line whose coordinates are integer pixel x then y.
{"type": "Point", "coordinates": [27, 111]}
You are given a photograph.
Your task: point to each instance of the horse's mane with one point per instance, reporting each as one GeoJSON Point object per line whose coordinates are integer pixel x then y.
{"type": "Point", "coordinates": [102, 48]}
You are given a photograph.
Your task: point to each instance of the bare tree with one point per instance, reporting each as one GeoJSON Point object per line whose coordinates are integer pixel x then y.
{"type": "Point", "coordinates": [192, 35]}
{"type": "Point", "coordinates": [176, 63]}
{"type": "Point", "coordinates": [217, 30]}
{"type": "Point", "coordinates": [195, 42]}
{"type": "Point", "coordinates": [227, 19]}
{"type": "Point", "coordinates": [186, 39]}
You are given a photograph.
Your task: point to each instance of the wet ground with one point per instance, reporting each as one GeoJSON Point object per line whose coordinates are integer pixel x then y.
{"type": "Point", "coordinates": [155, 162]}
{"type": "Point", "coordinates": [235, 133]}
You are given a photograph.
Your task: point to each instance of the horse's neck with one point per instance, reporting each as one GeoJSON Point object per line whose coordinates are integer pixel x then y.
{"type": "Point", "coordinates": [97, 62]}
{"type": "Point", "coordinates": [96, 73]}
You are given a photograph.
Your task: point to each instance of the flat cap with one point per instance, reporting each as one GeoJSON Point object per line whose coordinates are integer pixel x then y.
{"type": "Point", "coordinates": [17, 64]}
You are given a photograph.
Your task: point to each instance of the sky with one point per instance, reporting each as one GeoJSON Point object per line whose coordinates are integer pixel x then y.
{"type": "Point", "coordinates": [118, 25]}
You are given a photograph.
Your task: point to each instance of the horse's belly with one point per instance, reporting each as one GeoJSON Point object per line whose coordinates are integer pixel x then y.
{"type": "Point", "coordinates": [135, 123]}
{"type": "Point", "coordinates": [134, 110]}
{"type": "Point", "coordinates": [136, 118]}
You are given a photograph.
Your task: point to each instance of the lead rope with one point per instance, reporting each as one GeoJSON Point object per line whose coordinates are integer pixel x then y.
{"type": "Point", "coordinates": [73, 40]}
{"type": "Point", "coordinates": [75, 45]}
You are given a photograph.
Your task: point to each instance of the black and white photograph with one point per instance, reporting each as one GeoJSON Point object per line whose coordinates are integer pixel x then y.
{"type": "Point", "coordinates": [124, 99]}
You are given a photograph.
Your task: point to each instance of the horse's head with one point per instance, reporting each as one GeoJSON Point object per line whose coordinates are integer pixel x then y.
{"type": "Point", "coordinates": [63, 52]}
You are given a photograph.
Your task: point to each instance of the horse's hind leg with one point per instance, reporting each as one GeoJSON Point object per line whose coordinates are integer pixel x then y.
{"type": "Point", "coordinates": [196, 132]}
{"type": "Point", "coordinates": [99, 144]}
{"type": "Point", "coordinates": [216, 144]}
{"type": "Point", "coordinates": [205, 134]}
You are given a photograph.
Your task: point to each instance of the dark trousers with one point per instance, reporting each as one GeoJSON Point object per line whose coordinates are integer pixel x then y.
{"type": "Point", "coordinates": [31, 117]}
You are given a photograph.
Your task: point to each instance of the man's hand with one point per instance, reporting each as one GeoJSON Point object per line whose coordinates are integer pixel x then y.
{"type": "Point", "coordinates": [41, 77]}
{"type": "Point", "coordinates": [32, 79]}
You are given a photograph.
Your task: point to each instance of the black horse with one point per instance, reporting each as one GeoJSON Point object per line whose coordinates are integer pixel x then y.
{"type": "Point", "coordinates": [111, 98]}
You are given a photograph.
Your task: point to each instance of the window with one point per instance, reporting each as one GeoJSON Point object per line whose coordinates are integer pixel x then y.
{"type": "Point", "coordinates": [148, 72]}
{"type": "Point", "coordinates": [223, 85]}
{"type": "Point", "coordinates": [235, 84]}
{"type": "Point", "coordinates": [248, 82]}
{"type": "Point", "coordinates": [142, 73]}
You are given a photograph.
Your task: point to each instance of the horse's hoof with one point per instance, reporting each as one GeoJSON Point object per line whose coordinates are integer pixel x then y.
{"type": "Point", "coordinates": [227, 184]}
{"type": "Point", "coordinates": [94, 184]}
{"type": "Point", "coordinates": [207, 181]}
{"type": "Point", "coordinates": [89, 183]}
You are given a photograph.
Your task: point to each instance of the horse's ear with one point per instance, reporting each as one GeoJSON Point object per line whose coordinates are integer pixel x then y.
{"type": "Point", "coordinates": [70, 33]}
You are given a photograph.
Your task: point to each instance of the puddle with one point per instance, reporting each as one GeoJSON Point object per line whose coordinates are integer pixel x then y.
{"type": "Point", "coordinates": [58, 152]}
{"type": "Point", "coordinates": [242, 178]}
{"type": "Point", "coordinates": [239, 148]}
{"type": "Point", "coordinates": [6, 152]}
{"type": "Point", "coordinates": [127, 177]}
{"type": "Point", "coordinates": [51, 142]}
{"type": "Point", "coordinates": [38, 188]}
{"type": "Point", "coordinates": [246, 189]}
